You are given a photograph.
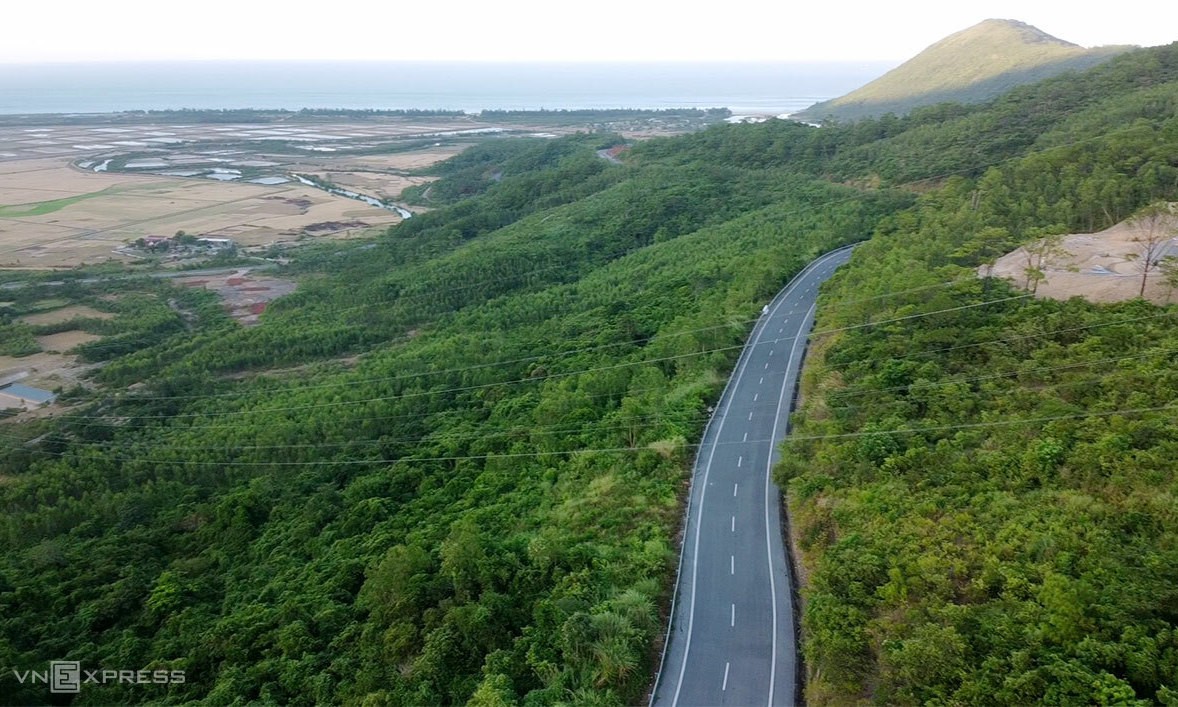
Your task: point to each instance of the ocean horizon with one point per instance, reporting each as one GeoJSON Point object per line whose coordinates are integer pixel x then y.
{"type": "Point", "coordinates": [744, 88]}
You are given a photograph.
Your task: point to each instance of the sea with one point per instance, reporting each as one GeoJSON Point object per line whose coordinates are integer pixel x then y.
{"type": "Point", "coordinates": [744, 88]}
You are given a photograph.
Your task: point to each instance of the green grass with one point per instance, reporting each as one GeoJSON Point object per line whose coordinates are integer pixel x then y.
{"type": "Point", "coordinates": [40, 208]}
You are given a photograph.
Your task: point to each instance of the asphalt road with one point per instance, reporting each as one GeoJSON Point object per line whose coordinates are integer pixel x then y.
{"type": "Point", "coordinates": [732, 639]}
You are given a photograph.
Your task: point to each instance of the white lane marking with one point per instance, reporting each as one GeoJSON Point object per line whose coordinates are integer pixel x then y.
{"type": "Point", "coordinates": [768, 478]}
{"type": "Point", "coordinates": [739, 461]}
{"type": "Point", "coordinates": [734, 524]}
{"type": "Point", "coordinates": [771, 351]}
{"type": "Point", "coordinates": [756, 396]}
{"type": "Point", "coordinates": [698, 523]}
{"type": "Point", "coordinates": [762, 381]}
{"type": "Point", "coordinates": [732, 621]}
{"type": "Point", "coordinates": [724, 687]}
{"type": "Point", "coordinates": [750, 415]}
{"type": "Point", "coordinates": [782, 329]}
{"type": "Point", "coordinates": [766, 364]}
{"type": "Point", "coordinates": [746, 437]}
{"type": "Point", "coordinates": [734, 487]}
{"type": "Point", "coordinates": [732, 564]}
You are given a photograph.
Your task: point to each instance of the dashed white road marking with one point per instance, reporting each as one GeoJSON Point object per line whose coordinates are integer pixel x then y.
{"type": "Point", "coordinates": [756, 396]}
{"type": "Point", "coordinates": [762, 381]}
{"type": "Point", "coordinates": [724, 687]}
{"type": "Point", "coordinates": [746, 437]}
{"type": "Point", "coordinates": [739, 462]}
{"type": "Point", "coordinates": [732, 621]}
{"type": "Point", "coordinates": [732, 564]}
{"type": "Point", "coordinates": [734, 487]}
{"type": "Point", "coordinates": [750, 415]}
{"type": "Point", "coordinates": [734, 524]}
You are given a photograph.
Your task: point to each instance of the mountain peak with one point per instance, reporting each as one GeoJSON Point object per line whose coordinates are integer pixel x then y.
{"type": "Point", "coordinates": [1029, 34]}
{"type": "Point", "coordinates": [970, 66]}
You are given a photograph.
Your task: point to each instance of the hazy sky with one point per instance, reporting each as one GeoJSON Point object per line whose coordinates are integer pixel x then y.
{"type": "Point", "coordinates": [552, 30]}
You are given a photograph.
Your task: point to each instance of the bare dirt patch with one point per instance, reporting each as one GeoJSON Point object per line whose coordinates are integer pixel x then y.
{"type": "Point", "coordinates": [245, 296]}
{"type": "Point", "coordinates": [66, 340]}
{"type": "Point", "coordinates": [333, 226]}
{"type": "Point", "coordinates": [50, 371]}
{"type": "Point", "coordinates": [1100, 267]}
{"type": "Point", "coordinates": [65, 314]}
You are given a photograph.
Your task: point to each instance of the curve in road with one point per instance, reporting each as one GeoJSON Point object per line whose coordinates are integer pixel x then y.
{"type": "Point", "coordinates": [732, 636]}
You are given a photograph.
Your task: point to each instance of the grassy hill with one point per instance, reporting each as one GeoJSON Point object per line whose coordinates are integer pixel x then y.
{"type": "Point", "coordinates": [970, 66]}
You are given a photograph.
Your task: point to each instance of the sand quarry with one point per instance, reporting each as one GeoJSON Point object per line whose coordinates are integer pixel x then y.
{"type": "Point", "coordinates": [1100, 267]}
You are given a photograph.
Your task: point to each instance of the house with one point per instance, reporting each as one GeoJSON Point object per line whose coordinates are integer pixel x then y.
{"type": "Point", "coordinates": [154, 243]}
{"type": "Point", "coordinates": [15, 395]}
{"type": "Point", "coordinates": [216, 243]}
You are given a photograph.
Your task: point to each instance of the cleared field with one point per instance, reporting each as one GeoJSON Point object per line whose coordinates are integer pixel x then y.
{"type": "Point", "coordinates": [1100, 267]}
{"type": "Point", "coordinates": [245, 296]}
{"type": "Point", "coordinates": [24, 182]}
{"type": "Point", "coordinates": [399, 161]}
{"type": "Point", "coordinates": [87, 230]}
{"type": "Point", "coordinates": [45, 370]}
{"type": "Point", "coordinates": [65, 314]}
{"type": "Point", "coordinates": [66, 340]}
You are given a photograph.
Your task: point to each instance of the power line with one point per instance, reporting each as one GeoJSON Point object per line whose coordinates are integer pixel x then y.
{"type": "Point", "coordinates": [981, 425]}
{"type": "Point", "coordinates": [639, 448]}
{"type": "Point", "coordinates": [866, 390]}
{"type": "Point", "coordinates": [731, 324]}
{"type": "Point", "coordinates": [566, 374]}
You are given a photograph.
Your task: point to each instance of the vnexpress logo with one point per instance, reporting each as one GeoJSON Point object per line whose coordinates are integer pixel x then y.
{"type": "Point", "coordinates": [68, 677]}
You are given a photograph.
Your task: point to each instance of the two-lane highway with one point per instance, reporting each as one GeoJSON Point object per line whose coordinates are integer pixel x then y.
{"type": "Point", "coordinates": [732, 639]}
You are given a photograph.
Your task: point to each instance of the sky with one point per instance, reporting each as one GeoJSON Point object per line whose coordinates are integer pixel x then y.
{"type": "Point", "coordinates": [544, 30]}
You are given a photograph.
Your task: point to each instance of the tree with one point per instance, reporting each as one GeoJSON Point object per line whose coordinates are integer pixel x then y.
{"type": "Point", "coordinates": [1169, 268]}
{"type": "Point", "coordinates": [1037, 255]}
{"type": "Point", "coordinates": [1155, 226]}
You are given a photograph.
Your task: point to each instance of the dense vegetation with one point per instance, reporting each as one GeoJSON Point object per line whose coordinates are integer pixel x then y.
{"type": "Point", "coordinates": [970, 66]}
{"type": "Point", "coordinates": [448, 469]}
{"type": "Point", "coordinates": [985, 497]}
{"type": "Point", "coordinates": [482, 507]}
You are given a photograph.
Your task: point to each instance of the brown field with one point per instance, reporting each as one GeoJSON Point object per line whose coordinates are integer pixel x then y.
{"type": "Point", "coordinates": [65, 314]}
{"type": "Point", "coordinates": [400, 161]}
{"type": "Point", "coordinates": [66, 340]}
{"type": "Point", "coordinates": [45, 179]}
{"type": "Point", "coordinates": [133, 206]}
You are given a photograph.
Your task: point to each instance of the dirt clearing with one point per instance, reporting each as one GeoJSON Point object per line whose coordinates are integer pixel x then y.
{"type": "Point", "coordinates": [66, 340]}
{"type": "Point", "coordinates": [65, 314]}
{"type": "Point", "coordinates": [1100, 267]}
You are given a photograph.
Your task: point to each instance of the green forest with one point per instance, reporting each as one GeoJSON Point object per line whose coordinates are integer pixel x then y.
{"type": "Point", "coordinates": [450, 468]}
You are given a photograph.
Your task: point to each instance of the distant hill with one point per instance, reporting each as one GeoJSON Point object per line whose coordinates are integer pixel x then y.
{"type": "Point", "coordinates": [970, 66]}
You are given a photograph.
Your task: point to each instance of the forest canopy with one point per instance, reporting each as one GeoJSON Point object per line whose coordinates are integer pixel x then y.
{"type": "Point", "coordinates": [449, 468]}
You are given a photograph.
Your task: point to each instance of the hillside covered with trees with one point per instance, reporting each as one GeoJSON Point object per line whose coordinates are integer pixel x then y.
{"type": "Point", "coordinates": [450, 467]}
